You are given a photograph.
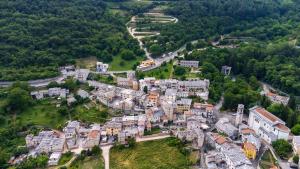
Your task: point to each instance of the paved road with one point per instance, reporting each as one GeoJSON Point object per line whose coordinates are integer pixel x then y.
{"type": "Point", "coordinates": [35, 83]}
{"type": "Point", "coordinates": [105, 154]}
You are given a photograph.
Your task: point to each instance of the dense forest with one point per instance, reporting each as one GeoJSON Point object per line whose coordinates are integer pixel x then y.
{"type": "Point", "coordinates": [260, 19]}
{"type": "Point", "coordinates": [38, 36]}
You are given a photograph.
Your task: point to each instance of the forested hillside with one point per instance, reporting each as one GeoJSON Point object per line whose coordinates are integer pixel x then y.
{"type": "Point", "coordinates": [38, 36]}
{"type": "Point", "coordinates": [261, 19]}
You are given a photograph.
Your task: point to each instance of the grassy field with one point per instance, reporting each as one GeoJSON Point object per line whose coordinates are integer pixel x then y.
{"type": "Point", "coordinates": [43, 113]}
{"type": "Point", "coordinates": [87, 63]}
{"type": "Point", "coordinates": [118, 64]}
{"type": "Point", "coordinates": [88, 163]}
{"type": "Point", "coordinates": [163, 72]}
{"type": "Point", "coordinates": [267, 160]}
{"type": "Point", "coordinates": [90, 113]}
{"type": "Point", "coordinates": [156, 154]}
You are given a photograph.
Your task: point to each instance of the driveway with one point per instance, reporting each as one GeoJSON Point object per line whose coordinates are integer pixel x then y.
{"type": "Point", "coordinates": [105, 154]}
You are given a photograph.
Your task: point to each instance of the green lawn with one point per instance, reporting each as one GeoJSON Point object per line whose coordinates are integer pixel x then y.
{"type": "Point", "coordinates": [88, 163]}
{"type": "Point", "coordinates": [162, 72]}
{"type": "Point", "coordinates": [116, 64]}
{"type": "Point", "coordinates": [43, 113]}
{"type": "Point", "coordinates": [158, 154]}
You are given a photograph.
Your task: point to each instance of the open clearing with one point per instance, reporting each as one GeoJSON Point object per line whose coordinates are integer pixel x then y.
{"type": "Point", "coordinates": [156, 154]}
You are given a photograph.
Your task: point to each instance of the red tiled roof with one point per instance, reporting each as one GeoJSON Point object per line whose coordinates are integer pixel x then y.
{"type": "Point", "coordinates": [249, 146]}
{"type": "Point", "coordinates": [218, 138]}
{"type": "Point", "coordinates": [282, 127]}
{"type": "Point", "coordinates": [271, 94]}
{"type": "Point", "coordinates": [93, 134]}
{"type": "Point", "coordinates": [267, 114]}
{"type": "Point", "coordinates": [247, 131]}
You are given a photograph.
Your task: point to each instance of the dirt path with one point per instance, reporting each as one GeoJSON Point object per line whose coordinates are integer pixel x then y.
{"type": "Point", "coordinates": [149, 138]}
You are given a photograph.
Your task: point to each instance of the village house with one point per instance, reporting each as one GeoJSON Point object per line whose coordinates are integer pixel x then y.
{"type": "Point", "coordinates": [215, 160]}
{"type": "Point", "coordinates": [170, 95]}
{"type": "Point", "coordinates": [204, 109]}
{"type": "Point", "coordinates": [45, 142]}
{"type": "Point", "coordinates": [189, 63]}
{"type": "Point", "coordinates": [168, 107]}
{"type": "Point", "coordinates": [101, 67]}
{"type": "Point", "coordinates": [51, 92]}
{"type": "Point", "coordinates": [248, 135]}
{"type": "Point", "coordinates": [193, 86]}
{"type": "Point", "coordinates": [93, 137]}
{"type": "Point", "coordinates": [145, 65]}
{"type": "Point", "coordinates": [82, 74]}
{"type": "Point", "coordinates": [168, 84]}
{"type": "Point", "coordinates": [224, 126]}
{"type": "Point", "coordinates": [266, 125]}
{"type": "Point", "coordinates": [71, 136]}
{"type": "Point", "coordinates": [124, 82]}
{"type": "Point", "coordinates": [126, 94]}
{"type": "Point", "coordinates": [275, 98]}
{"type": "Point", "coordinates": [215, 140]}
{"type": "Point", "coordinates": [113, 128]}
{"type": "Point", "coordinates": [54, 158]}
{"type": "Point", "coordinates": [83, 94]}
{"type": "Point", "coordinates": [147, 82]}
{"type": "Point", "coordinates": [183, 105]}
{"type": "Point", "coordinates": [153, 99]}
{"type": "Point", "coordinates": [235, 157]}
{"type": "Point", "coordinates": [249, 150]}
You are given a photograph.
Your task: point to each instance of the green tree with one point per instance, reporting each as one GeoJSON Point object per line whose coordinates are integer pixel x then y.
{"type": "Point", "coordinates": [96, 150]}
{"type": "Point", "coordinates": [179, 71]}
{"type": "Point", "coordinates": [296, 159]}
{"type": "Point", "coordinates": [296, 129]}
{"type": "Point", "coordinates": [127, 54]}
{"type": "Point", "coordinates": [18, 99]}
{"type": "Point", "coordinates": [145, 89]}
{"type": "Point", "coordinates": [282, 148]}
{"type": "Point", "coordinates": [156, 49]}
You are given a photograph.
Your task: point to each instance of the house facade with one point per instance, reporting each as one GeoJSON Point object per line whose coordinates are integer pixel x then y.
{"type": "Point", "coordinates": [266, 125]}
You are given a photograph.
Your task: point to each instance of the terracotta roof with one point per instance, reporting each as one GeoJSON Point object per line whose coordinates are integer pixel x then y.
{"type": "Point", "coordinates": [282, 127]}
{"type": "Point", "coordinates": [93, 134]}
{"type": "Point", "coordinates": [218, 138]}
{"type": "Point", "coordinates": [271, 94]}
{"type": "Point", "coordinates": [247, 131]}
{"type": "Point", "coordinates": [267, 114]}
{"type": "Point", "coordinates": [249, 146]}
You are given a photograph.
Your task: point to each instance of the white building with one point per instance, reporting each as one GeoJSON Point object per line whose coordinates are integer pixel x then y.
{"type": "Point", "coordinates": [266, 125]}
{"type": "Point", "coordinates": [82, 74]}
{"type": "Point", "coordinates": [54, 158]}
{"type": "Point", "coordinates": [101, 67]}
{"type": "Point", "coordinates": [82, 93]}
{"type": "Point", "coordinates": [189, 63]}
